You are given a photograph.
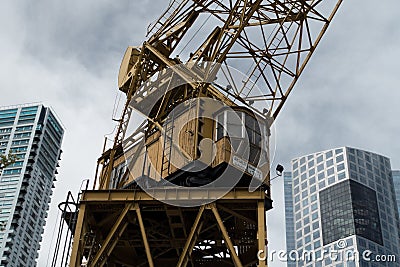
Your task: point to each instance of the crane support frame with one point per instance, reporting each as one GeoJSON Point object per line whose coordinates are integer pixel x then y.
{"type": "Point", "coordinates": [229, 231]}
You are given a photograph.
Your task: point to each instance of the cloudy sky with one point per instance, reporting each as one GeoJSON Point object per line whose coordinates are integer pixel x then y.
{"type": "Point", "coordinates": [66, 54]}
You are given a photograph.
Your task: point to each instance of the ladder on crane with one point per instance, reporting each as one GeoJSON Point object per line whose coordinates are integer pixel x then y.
{"type": "Point", "coordinates": [171, 11]}
{"type": "Point", "coordinates": [167, 149]}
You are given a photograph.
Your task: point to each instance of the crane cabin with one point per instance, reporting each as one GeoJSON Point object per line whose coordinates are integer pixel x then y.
{"type": "Point", "coordinates": [193, 148]}
{"type": "Point", "coordinates": [191, 136]}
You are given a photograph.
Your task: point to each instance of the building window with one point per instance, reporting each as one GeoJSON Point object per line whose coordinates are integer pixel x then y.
{"type": "Point", "coordinates": [295, 165]}
{"type": "Point", "coordinates": [313, 189]}
{"type": "Point", "coordinates": [311, 164]}
{"type": "Point", "coordinates": [341, 175]}
{"type": "Point", "coordinates": [349, 208]}
{"type": "Point", "coordinates": [12, 171]}
{"type": "Point", "coordinates": [314, 206]}
{"type": "Point", "coordinates": [313, 197]}
{"type": "Point", "coordinates": [337, 221]}
{"type": "Point", "coordinates": [366, 213]}
{"type": "Point", "coordinates": [320, 167]}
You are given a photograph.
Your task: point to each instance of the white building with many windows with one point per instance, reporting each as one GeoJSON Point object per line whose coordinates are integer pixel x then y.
{"type": "Point", "coordinates": [34, 134]}
{"type": "Point", "coordinates": [344, 211]}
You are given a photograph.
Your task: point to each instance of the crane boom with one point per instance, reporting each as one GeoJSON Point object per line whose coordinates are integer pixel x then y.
{"type": "Point", "coordinates": [270, 41]}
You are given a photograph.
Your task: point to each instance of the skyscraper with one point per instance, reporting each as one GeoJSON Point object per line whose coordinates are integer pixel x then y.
{"type": "Point", "coordinates": [344, 210]}
{"type": "Point", "coordinates": [289, 215]}
{"type": "Point", "coordinates": [396, 181]}
{"type": "Point", "coordinates": [32, 133]}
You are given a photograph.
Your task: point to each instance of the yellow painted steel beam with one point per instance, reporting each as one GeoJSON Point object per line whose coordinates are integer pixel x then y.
{"type": "Point", "coordinates": [191, 240]}
{"type": "Point", "coordinates": [104, 196]}
{"type": "Point", "coordinates": [188, 75]}
{"type": "Point", "coordinates": [113, 244]}
{"type": "Point", "coordinates": [74, 260]}
{"type": "Point", "coordinates": [309, 55]}
{"type": "Point", "coordinates": [234, 213]}
{"type": "Point", "coordinates": [261, 233]}
{"type": "Point", "coordinates": [144, 237]}
{"type": "Point", "coordinates": [109, 237]}
{"type": "Point", "coordinates": [225, 235]}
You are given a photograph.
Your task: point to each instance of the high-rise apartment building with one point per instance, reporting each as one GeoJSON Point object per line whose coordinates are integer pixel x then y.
{"type": "Point", "coordinates": [32, 133]}
{"type": "Point", "coordinates": [344, 210]}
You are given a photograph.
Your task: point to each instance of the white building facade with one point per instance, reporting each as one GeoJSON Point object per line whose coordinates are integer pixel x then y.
{"type": "Point", "coordinates": [344, 210]}
{"type": "Point", "coordinates": [34, 134]}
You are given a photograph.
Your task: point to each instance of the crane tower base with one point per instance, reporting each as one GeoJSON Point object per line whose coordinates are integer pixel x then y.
{"type": "Point", "coordinates": [133, 228]}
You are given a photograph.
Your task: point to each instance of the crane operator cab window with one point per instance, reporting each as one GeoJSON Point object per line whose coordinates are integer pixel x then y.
{"type": "Point", "coordinates": [239, 126]}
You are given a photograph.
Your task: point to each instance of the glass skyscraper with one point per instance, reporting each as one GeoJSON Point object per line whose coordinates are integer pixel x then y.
{"type": "Point", "coordinates": [34, 134]}
{"type": "Point", "coordinates": [396, 181]}
{"type": "Point", "coordinates": [344, 210]}
{"type": "Point", "coordinates": [289, 215]}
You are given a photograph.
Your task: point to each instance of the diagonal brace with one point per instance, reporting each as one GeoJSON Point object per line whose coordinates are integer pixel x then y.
{"type": "Point", "coordinates": [194, 233]}
{"type": "Point", "coordinates": [112, 244]}
{"type": "Point", "coordinates": [226, 237]}
{"type": "Point", "coordinates": [144, 237]}
{"type": "Point", "coordinates": [110, 236]}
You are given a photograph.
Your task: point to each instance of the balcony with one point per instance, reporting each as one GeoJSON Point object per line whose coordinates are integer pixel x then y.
{"type": "Point", "coordinates": [39, 130]}
{"type": "Point", "coordinates": [6, 251]}
{"type": "Point", "coordinates": [9, 242]}
{"type": "Point", "coordinates": [17, 214]}
{"type": "Point", "coordinates": [25, 182]}
{"type": "Point", "coordinates": [31, 159]}
{"type": "Point", "coordinates": [14, 224]}
{"type": "Point", "coordinates": [23, 189]}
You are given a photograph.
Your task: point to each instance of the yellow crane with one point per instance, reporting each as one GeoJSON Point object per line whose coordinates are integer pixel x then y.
{"type": "Point", "coordinates": [190, 184]}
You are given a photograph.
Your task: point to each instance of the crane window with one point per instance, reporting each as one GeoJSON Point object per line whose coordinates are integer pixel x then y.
{"type": "Point", "coordinates": [237, 125]}
{"type": "Point", "coordinates": [234, 124]}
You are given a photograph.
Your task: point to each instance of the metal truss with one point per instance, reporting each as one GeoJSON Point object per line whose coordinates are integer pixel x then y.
{"type": "Point", "coordinates": [270, 42]}
{"type": "Point", "coordinates": [130, 228]}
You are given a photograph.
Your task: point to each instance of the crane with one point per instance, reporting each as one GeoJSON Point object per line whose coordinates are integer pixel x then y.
{"type": "Point", "coordinates": [189, 183]}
